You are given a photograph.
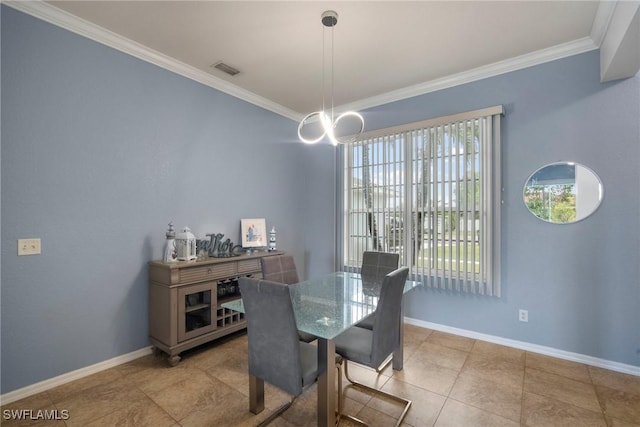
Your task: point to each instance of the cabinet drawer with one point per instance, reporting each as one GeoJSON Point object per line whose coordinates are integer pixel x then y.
{"type": "Point", "coordinates": [199, 274]}
{"type": "Point", "coordinates": [248, 265]}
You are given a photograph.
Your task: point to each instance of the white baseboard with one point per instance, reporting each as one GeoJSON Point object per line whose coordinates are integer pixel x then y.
{"type": "Point", "coordinates": [534, 348]}
{"type": "Point", "coordinates": [41, 386]}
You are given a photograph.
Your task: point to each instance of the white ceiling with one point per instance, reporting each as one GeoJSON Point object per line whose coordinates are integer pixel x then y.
{"type": "Point", "coordinates": [383, 50]}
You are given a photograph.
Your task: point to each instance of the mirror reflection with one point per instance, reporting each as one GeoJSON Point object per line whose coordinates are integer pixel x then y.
{"type": "Point", "coordinates": [563, 192]}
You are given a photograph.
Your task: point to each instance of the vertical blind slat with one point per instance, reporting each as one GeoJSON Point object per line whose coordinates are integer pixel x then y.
{"type": "Point", "coordinates": [448, 218]}
{"type": "Point", "coordinates": [474, 234]}
{"type": "Point", "coordinates": [429, 194]}
{"type": "Point", "coordinates": [441, 214]}
{"type": "Point", "coordinates": [482, 205]}
{"type": "Point", "coordinates": [465, 203]}
{"type": "Point", "coordinates": [456, 173]}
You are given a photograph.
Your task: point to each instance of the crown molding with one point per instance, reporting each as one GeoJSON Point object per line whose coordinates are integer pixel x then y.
{"type": "Point", "coordinates": [553, 53]}
{"type": "Point", "coordinates": [60, 18]}
{"type": "Point", "coordinates": [602, 20]}
{"type": "Point", "coordinates": [51, 14]}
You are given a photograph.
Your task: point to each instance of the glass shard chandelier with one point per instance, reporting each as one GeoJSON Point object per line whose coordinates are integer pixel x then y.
{"type": "Point", "coordinates": [315, 126]}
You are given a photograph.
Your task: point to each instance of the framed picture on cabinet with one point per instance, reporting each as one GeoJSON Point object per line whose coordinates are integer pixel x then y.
{"type": "Point", "coordinates": [254, 232]}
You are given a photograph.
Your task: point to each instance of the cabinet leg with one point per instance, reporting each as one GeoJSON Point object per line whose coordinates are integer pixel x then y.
{"type": "Point", "coordinates": [174, 360]}
{"type": "Point", "coordinates": [156, 351]}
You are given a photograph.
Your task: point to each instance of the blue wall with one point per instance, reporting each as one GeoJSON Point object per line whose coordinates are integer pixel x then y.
{"type": "Point", "coordinates": [579, 282]}
{"type": "Point", "coordinates": [99, 152]}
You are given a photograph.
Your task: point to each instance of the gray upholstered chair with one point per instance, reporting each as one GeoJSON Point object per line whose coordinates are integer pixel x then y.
{"type": "Point", "coordinates": [375, 265]}
{"type": "Point", "coordinates": [373, 347]}
{"type": "Point", "coordinates": [282, 269]}
{"type": "Point", "coordinates": [276, 355]}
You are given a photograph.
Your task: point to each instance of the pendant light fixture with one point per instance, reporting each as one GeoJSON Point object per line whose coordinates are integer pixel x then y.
{"type": "Point", "coordinates": [315, 126]}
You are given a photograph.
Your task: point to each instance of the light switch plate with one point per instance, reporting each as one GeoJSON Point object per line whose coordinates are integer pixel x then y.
{"type": "Point", "coordinates": [29, 247]}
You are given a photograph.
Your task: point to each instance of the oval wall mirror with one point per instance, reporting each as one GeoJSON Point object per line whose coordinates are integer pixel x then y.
{"type": "Point", "coordinates": [563, 192]}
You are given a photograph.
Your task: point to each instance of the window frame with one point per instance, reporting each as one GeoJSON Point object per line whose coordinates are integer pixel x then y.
{"type": "Point", "coordinates": [487, 281]}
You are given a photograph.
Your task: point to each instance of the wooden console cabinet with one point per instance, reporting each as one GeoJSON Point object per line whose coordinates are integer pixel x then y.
{"type": "Point", "coordinates": [185, 299]}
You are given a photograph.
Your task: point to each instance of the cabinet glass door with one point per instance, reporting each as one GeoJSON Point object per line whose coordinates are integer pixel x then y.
{"type": "Point", "coordinates": [196, 309]}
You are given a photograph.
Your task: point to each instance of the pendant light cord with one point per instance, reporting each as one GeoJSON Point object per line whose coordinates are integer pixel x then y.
{"type": "Point", "coordinates": [324, 53]}
{"type": "Point", "coordinates": [332, 78]}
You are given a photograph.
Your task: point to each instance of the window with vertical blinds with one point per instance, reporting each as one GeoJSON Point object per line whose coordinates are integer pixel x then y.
{"type": "Point", "coordinates": [431, 192]}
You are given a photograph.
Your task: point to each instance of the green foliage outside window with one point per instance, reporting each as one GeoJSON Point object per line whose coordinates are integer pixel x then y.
{"type": "Point", "coordinates": [555, 203]}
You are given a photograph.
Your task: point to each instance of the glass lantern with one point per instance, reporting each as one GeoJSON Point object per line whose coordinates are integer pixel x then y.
{"type": "Point", "coordinates": [186, 245]}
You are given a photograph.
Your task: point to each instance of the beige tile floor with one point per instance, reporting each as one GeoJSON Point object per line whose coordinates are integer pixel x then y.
{"type": "Point", "coordinates": [452, 380]}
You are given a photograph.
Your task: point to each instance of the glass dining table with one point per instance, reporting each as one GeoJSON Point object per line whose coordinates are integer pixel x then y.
{"type": "Point", "coordinates": [327, 306]}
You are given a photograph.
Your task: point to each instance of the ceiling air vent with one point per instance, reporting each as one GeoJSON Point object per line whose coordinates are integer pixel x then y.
{"type": "Point", "coordinates": [226, 68]}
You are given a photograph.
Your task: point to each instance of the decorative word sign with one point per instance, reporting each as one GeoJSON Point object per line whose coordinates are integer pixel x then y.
{"type": "Point", "coordinates": [218, 248]}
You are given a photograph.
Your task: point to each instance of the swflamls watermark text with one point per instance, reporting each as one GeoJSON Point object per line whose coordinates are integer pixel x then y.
{"type": "Point", "coordinates": [35, 414]}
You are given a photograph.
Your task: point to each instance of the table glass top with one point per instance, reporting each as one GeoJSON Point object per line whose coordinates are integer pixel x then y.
{"type": "Point", "coordinates": [326, 306]}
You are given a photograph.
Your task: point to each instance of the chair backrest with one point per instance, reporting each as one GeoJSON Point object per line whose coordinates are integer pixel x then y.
{"type": "Point", "coordinates": [376, 265]}
{"type": "Point", "coordinates": [274, 352]}
{"type": "Point", "coordinates": [279, 268]}
{"type": "Point", "coordinates": [386, 326]}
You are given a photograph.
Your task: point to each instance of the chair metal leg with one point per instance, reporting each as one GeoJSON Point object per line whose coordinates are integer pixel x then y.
{"type": "Point", "coordinates": [256, 398]}
{"type": "Point", "coordinates": [340, 396]}
{"type": "Point", "coordinates": [256, 394]}
{"type": "Point", "coordinates": [405, 402]}
{"type": "Point", "coordinates": [275, 414]}
{"type": "Point", "coordinates": [384, 364]}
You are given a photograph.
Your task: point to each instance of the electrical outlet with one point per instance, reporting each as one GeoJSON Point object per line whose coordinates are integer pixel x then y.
{"type": "Point", "coordinates": [29, 247]}
{"type": "Point", "coordinates": [523, 315]}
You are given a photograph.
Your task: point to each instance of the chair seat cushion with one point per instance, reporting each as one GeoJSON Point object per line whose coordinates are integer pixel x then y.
{"type": "Point", "coordinates": [309, 361]}
{"type": "Point", "coordinates": [303, 336]}
{"type": "Point", "coordinates": [367, 322]}
{"type": "Point", "coordinates": [355, 344]}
